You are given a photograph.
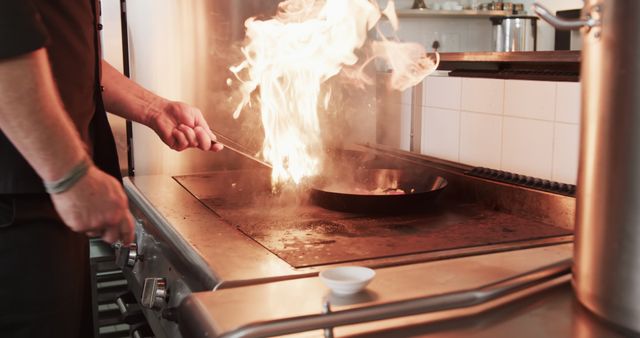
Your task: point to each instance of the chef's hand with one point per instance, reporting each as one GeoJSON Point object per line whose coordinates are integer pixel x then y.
{"type": "Point", "coordinates": [181, 126]}
{"type": "Point", "coordinates": [97, 206]}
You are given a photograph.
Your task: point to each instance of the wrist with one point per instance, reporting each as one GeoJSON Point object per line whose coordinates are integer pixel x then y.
{"type": "Point", "coordinates": [70, 178]}
{"type": "Point", "coordinates": [154, 109]}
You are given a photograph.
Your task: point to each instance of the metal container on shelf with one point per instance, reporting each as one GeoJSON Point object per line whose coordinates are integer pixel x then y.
{"type": "Point", "coordinates": [516, 33]}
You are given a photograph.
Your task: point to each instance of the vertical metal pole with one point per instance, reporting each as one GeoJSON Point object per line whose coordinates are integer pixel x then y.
{"type": "Point", "coordinates": [127, 73]}
{"type": "Point", "coordinates": [415, 141]}
{"type": "Point", "coordinates": [607, 250]}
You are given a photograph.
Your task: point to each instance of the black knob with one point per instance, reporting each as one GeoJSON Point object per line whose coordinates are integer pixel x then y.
{"type": "Point", "coordinates": [419, 4]}
{"type": "Point", "coordinates": [529, 181]}
{"type": "Point", "coordinates": [435, 45]}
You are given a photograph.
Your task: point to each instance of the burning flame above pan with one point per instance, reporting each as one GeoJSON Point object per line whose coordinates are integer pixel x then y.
{"type": "Point", "coordinates": [289, 58]}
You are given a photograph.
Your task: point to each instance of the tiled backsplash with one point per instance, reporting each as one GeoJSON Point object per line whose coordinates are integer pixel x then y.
{"type": "Point", "coordinates": [453, 34]}
{"type": "Point", "coordinates": [527, 127]}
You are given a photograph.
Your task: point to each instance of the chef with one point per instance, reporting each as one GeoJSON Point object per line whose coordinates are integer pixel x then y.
{"type": "Point", "coordinates": [59, 176]}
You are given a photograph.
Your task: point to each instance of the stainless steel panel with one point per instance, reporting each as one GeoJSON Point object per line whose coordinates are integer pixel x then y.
{"type": "Point", "coordinates": [607, 271]}
{"type": "Point", "coordinates": [233, 308]}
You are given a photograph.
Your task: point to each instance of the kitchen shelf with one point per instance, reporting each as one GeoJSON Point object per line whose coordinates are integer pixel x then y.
{"type": "Point", "coordinates": [429, 13]}
{"type": "Point", "coordinates": [544, 66]}
{"type": "Point", "coordinates": [561, 56]}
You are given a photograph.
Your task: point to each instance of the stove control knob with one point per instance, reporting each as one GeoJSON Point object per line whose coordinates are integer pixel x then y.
{"type": "Point", "coordinates": [132, 256]}
{"type": "Point", "coordinates": [154, 293]}
{"type": "Point", "coordinates": [127, 256]}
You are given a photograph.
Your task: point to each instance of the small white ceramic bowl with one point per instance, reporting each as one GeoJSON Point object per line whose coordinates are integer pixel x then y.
{"type": "Point", "coordinates": [346, 280]}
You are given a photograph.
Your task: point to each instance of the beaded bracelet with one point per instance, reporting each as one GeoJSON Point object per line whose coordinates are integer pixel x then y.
{"type": "Point", "coordinates": [66, 182]}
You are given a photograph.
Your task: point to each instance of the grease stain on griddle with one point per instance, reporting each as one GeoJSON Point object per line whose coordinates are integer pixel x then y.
{"type": "Point", "coordinates": [406, 229]}
{"type": "Point", "coordinates": [322, 227]}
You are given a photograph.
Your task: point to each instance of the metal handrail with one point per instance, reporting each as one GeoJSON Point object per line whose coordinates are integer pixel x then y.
{"type": "Point", "coordinates": [446, 301]}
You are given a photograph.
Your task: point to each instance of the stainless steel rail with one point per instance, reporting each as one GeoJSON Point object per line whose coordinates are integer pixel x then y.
{"type": "Point", "coordinates": [446, 301]}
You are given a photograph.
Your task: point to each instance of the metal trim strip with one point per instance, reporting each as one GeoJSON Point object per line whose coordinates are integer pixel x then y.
{"type": "Point", "coordinates": [201, 269]}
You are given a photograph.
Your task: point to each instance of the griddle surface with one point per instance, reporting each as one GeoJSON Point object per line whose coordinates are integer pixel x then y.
{"type": "Point", "coordinates": [306, 235]}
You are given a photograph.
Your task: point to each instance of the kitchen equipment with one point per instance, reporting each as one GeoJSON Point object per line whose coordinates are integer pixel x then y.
{"type": "Point", "coordinates": [376, 191]}
{"type": "Point", "coordinates": [418, 4]}
{"type": "Point", "coordinates": [516, 33]}
{"type": "Point", "coordinates": [225, 229]}
{"type": "Point", "coordinates": [607, 251]}
{"type": "Point", "coordinates": [518, 8]}
{"type": "Point", "coordinates": [568, 40]}
{"type": "Point", "coordinates": [347, 280]}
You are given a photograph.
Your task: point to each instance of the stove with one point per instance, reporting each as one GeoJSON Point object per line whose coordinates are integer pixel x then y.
{"type": "Point", "coordinates": [226, 230]}
{"type": "Point", "coordinates": [304, 235]}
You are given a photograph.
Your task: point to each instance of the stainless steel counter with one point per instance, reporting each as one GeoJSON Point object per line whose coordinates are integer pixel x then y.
{"type": "Point", "coordinates": [552, 312]}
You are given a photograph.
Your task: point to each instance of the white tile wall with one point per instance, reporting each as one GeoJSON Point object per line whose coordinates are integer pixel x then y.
{"type": "Point", "coordinates": [442, 92]}
{"type": "Point", "coordinates": [530, 99]}
{"type": "Point", "coordinates": [453, 34]}
{"type": "Point", "coordinates": [527, 127]}
{"type": "Point", "coordinates": [566, 108]}
{"type": "Point", "coordinates": [565, 152]}
{"type": "Point", "coordinates": [527, 147]}
{"type": "Point", "coordinates": [482, 95]}
{"type": "Point", "coordinates": [480, 139]}
{"type": "Point", "coordinates": [440, 132]}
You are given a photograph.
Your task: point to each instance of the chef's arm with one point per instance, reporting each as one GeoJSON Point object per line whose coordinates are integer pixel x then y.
{"type": "Point", "coordinates": [33, 118]}
{"type": "Point", "coordinates": [178, 124]}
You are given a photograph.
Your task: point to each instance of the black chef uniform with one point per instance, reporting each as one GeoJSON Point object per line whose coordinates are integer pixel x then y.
{"type": "Point", "coordinates": [44, 270]}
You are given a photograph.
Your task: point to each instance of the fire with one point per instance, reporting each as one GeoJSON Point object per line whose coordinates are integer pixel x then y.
{"type": "Point", "coordinates": [288, 59]}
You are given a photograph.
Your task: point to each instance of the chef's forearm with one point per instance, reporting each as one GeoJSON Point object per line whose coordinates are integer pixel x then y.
{"type": "Point", "coordinates": [126, 98]}
{"type": "Point", "coordinates": [33, 118]}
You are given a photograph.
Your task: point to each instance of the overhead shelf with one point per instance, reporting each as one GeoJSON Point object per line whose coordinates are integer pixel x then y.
{"type": "Point", "coordinates": [429, 13]}
{"type": "Point", "coordinates": [565, 56]}
{"type": "Point", "coordinates": [547, 65]}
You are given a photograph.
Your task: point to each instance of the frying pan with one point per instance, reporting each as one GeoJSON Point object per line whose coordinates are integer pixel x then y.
{"type": "Point", "coordinates": [356, 193]}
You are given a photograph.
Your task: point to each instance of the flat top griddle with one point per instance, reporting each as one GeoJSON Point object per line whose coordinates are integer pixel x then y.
{"type": "Point", "coordinates": [305, 235]}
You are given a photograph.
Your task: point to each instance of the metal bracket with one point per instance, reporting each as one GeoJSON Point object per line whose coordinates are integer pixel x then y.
{"type": "Point", "coordinates": [154, 293]}
{"type": "Point", "coordinates": [326, 309]}
{"type": "Point", "coordinates": [592, 20]}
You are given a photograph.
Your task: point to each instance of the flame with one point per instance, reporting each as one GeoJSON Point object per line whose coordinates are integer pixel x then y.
{"type": "Point", "coordinates": [288, 59]}
{"type": "Point", "coordinates": [387, 179]}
